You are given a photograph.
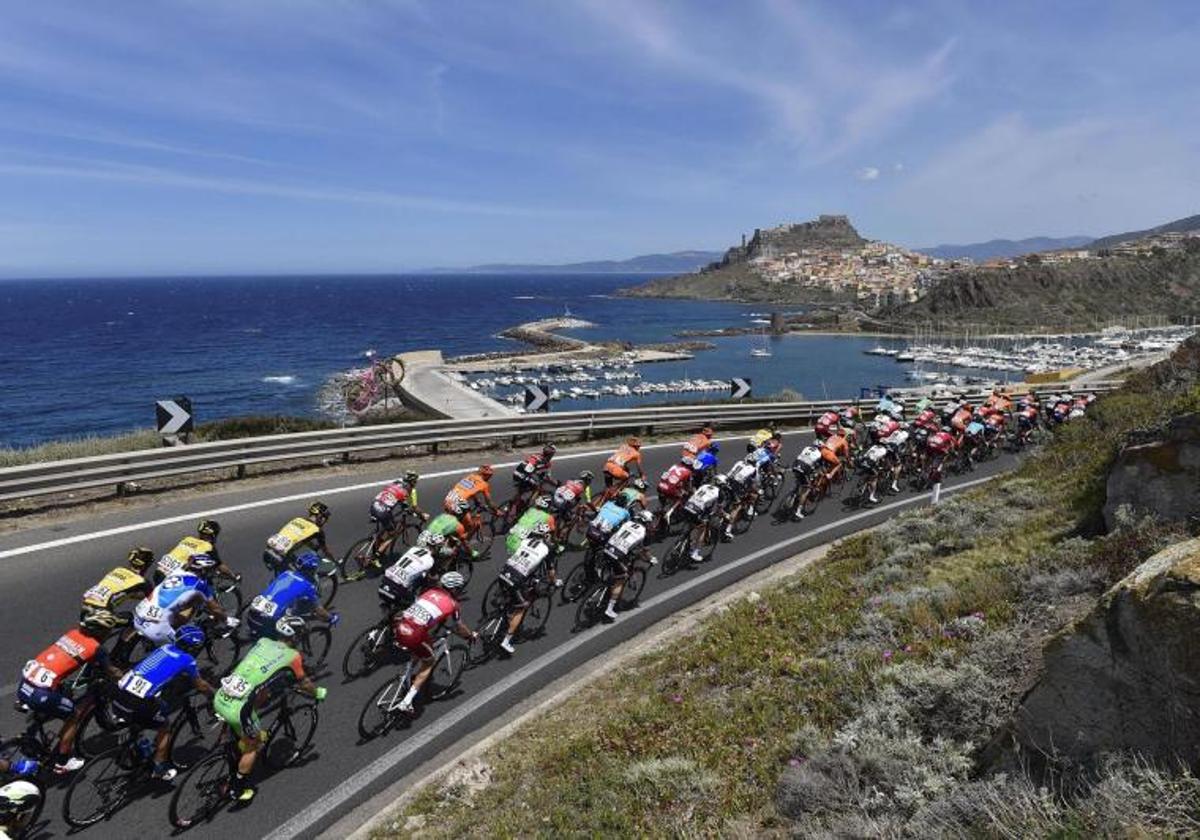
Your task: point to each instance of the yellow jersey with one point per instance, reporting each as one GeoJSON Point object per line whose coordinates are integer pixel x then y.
{"type": "Point", "coordinates": [116, 587]}
{"type": "Point", "coordinates": [178, 558]}
{"type": "Point", "coordinates": [293, 535]}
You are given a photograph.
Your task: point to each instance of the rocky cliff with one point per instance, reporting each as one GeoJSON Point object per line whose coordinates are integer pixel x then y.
{"type": "Point", "coordinates": [1127, 675]}
{"type": "Point", "coordinates": [1160, 476]}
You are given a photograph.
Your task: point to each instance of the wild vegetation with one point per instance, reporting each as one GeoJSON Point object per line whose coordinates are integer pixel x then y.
{"type": "Point", "coordinates": [861, 697]}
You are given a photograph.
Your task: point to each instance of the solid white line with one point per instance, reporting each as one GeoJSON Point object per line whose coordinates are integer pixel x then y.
{"type": "Point", "coordinates": [384, 764]}
{"type": "Point", "coordinates": [170, 520]}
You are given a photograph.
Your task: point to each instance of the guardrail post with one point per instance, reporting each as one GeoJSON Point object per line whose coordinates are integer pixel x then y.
{"type": "Point", "coordinates": [241, 470]}
{"type": "Point", "coordinates": [433, 448]}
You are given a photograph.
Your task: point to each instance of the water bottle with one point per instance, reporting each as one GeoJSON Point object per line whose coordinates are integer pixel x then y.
{"type": "Point", "coordinates": [144, 748]}
{"type": "Point", "coordinates": [26, 767]}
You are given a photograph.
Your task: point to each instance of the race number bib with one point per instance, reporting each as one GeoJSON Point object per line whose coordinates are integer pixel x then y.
{"type": "Point", "coordinates": [235, 687]}
{"type": "Point", "coordinates": [98, 594]}
{"type": "Point", "coordinates": [136, 684]}
{"type": "Point", "coordinates": [150, 612]}
{"type": "Point", "coordinates": [280, 543]}
{"type": "Point", "coordinates": [38, 674]}
{"type": "Point", "coordinates": [418, 615]}
{"type": "Point", "coordinates": [264, 606]}
{"type": "Point", "coordinates": [169, 565]}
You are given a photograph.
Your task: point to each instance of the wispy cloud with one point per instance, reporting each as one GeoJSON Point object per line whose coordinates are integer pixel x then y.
{"type": "Point", "coordinates": [868, 173]}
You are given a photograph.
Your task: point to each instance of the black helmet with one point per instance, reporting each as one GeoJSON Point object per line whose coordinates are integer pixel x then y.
{"type": "Point", "coordinates": [549, 449]}
{"type": "Point", "coordinates": [411, 476]}
{"type": "Point", "coordinates": [586, 476]}
{"type": "Point", "coordinates": [139, 558]}
{"type": "Point", "coordinates": [319, 510]}
{"type": "Point", "coordinates": [210, 528]}
{"type": "Point", "coordinates": [620, 501]}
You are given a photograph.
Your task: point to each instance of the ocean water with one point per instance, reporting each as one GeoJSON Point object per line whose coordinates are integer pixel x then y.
{"type": "Point", "coordinates": [91, 356]}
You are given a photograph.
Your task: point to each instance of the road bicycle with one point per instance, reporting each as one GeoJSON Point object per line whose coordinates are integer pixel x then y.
{"type": "Point", "coordinates": [703, 535]}
{"type": "Point", "coordinates": [382, 710]}
{"type": "Point", "coordinates": [378, 550]}
{"type": "Point", "coordinates": [594, 602]}
{"type": "Point", "coordinates": [373, 647]}
{"type": "Point", "coordinates": [500, 601]}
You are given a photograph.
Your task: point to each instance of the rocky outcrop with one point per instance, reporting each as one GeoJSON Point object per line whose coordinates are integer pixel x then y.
{"type": "Point", "coordinates": [1161, 476]}
{"type": "Point", "coordinates": [1127, 675]}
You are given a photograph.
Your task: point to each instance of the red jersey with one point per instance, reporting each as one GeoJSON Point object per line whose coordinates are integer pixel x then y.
{"type": "Point", "coordinates": [827, 424]}
{"type": "Point", "coordinates": [673, 481]}
{"type": "Point", "coordinates": [430, 611]}
{"type": "Point", "coordinates": [392, 495]}
{"type": "Point", "coordinates": [71, 652]}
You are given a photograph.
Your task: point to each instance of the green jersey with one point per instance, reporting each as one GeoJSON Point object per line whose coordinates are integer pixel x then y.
{"type": "Point", "coordinates": [264, 661]}
{"type": "Point", "coordinates": [524, 526]}
{"type": "Point", "coordinates": [633, 497]}
{"type": "Point", "coordinates": [444, 524]}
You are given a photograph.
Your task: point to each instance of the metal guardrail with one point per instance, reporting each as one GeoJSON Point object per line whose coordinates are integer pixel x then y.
{"type": "Point", "coordinates": [119, 469]}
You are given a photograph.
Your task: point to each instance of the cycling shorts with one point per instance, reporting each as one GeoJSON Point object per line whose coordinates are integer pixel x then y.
{"type": "Point", "coordinates": [150, 712]}
{"type": "Point", "coordinates": [43, 700]}
{"type": "Point", "coordinates": [614, 472]}
{"type": "Point", "coordinates": [385, 515]}
{"type": "Point", "coordinates": [414, 638]}
{"type": "Point", "coordinates": [156, 632]}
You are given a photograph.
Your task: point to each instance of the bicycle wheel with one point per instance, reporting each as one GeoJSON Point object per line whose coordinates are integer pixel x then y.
{"type": "Point", "coordinates": [447, 671]}
{"type": "Point", "coordinates": [357, 558]}
{"type": "Point", "coordinates": [223, 648]}
{"type": "Point", "coordinates": [292, 735]}
{"type": "Point", "coordinates": [677, 557]}
{"type": "Point", "coordinates": [770, 490]}
{"type": "Point", "coordinates": [366, 652]}
{"type": "Point", "coordinates": [491, 631]}
{"type": "Point", "coordinates": [93, 738]}
{"type": "Point", "coordinates": [536, 616]}
{"type": "Point", "coordinates": [810, 497]}
{"type": "Point", "coordinates": [315, 644]}
{"type": "Point", "coordinates": [633, 589]}
{"type": "Point", "coordinates": [192, 739]}
{"type": "Point", "coordinates": [229, 595]}
{"type": "Point", "coordinates": [495, 598]}
{"type": "Point", "coordinates": [98, 789]}
{"type": "Point", "coordinates": [380, 711]}
{"type": "Point", "coordinates": [202, 792]}
{"type": "Point", "coordinates": [742, 524]}
{"type": "Point", "coordinates": [327, 581]}
{"type": "Point", "coordinates": [591, 606]}
{"type": "Point", "coordinates": [575, 583]}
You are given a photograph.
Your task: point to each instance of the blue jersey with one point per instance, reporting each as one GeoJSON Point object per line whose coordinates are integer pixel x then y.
{"type": "Point", "coordinates": [705, 461]}
{"type": "Point", "coordinates": [157, 671]}
{"type": "Point", "coordinates": [290, 591]}
{"type": "Point", "coordinates": [612, 516]}
{"type": "Point", "coordinates": [763, 457]}
{"type": "Point", "coordinates": [179, 591]}
{"type": "Point", "coordinates": [974, 428]}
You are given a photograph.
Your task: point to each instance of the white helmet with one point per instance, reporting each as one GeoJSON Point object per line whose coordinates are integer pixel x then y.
{"type": "Point", "coordinates": [453, 581]}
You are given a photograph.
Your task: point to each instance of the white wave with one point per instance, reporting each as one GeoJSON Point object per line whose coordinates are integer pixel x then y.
{"type": "Point", "coordinates": [525, 297]}
{"type": "Point", "coordinates": [603, 297]}
{"type": "Point", "coordinates": [280, 380]}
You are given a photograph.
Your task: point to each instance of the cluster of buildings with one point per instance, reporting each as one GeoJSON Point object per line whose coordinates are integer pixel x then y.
{"type": "Point", "coordinates": [1146, 246]}
{"type": "Point", "coordinates": [876, 272]}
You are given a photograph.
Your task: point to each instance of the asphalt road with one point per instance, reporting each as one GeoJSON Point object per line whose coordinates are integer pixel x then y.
{"type": "Point", "coordinates": [44, 571]}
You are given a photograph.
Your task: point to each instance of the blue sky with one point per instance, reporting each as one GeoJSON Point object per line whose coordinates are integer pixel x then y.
{"type": "Point", "coordinates": [297, 135]}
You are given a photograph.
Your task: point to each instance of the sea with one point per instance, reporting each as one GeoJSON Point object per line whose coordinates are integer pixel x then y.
{"type": "Point", "coordinates": [91, 356]}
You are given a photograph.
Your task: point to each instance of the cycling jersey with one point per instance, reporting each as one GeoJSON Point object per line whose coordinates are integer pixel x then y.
{"type": "Point", "coordinates": [961, 418]}
{"type": "Point", "coordinates": [180, 557]}
{"type": "Point", "coordinates": [524, 526]}
{"type": "Point", "coordinates": [807, 460]}
{"type": "Point", "coordinates": [764, 456]}
{"type": "Point", "coordinates": [446, 525]}
{"type": "Point", "coordinates": [827, 424]}
{"type": "Point", "coordinates": [628, 539]}
{"type": "Point", "coordinates": [704, 500]}
{"type": "Point", "coordinates": [675, 481]}
{"type": "Point", "coordinates": [402, 579]}
{"type": "Point", "coordinates": [896, 440]}
{"type": "Point", "coordinates": [296, 537]}
{"type": "Point", "coordinates": [531, 471]}
{"type": "Point", "coordinates": [416, 624]}
{"type": "Point", "coordinates": [940, 443]}
{"type": "Point", "coordinates": [890, 407]}
{"type": "Point", "coordinates": [874, 457]}
{"type": "Point", "coordinates": [610, 517]}
{"type": "Point", "coordinates": [163, 672]}
{"type": "Point", "coordinates": [468, 492]}
{"type": "Point", "coordinates": [834, 448]}
{"type": "Point", "coordinates": [290, 593]}
{"type": "Point", "coordinates": [619, 462]}
{"type": "Point", "coordinates": [155, 615]}
{"type": "Point", "coordinates": [267, 669]}
{"type": "Point", "coordinates": [115, 588]}
{"type": "Point", "coordinates": [696, 444]}
{"type": "Point", "coordinates": [392, 495]}
{"type": "Point", "coordinates": [72, 651]}
{"type": "Point", "coordinates": [743, 475]}
{"type": "Point", "coordinates": [569, 493]}
{"type": "Point", "coordinates": [633, 498]}
{"type": "Point", "coordinates": [522, 563]}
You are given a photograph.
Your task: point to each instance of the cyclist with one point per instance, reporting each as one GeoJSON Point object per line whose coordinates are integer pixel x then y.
{"type": "Point", "coordinates": [520, 573]}
{"type": "Point", "coordinates": [468, 495]}
{"type": "Point", "coordinates": [570, 493]}
{"type": "Point", "coordinates": [634, 494]}
{"type": "Point", "coordinates": [705, 463]}
{"type": "Point", "coordinates": [622, 548]}
{"type": "Point", "coordinates": [405, 579]}
{"type": "Point", "coordinates": [399, 496]}
{"type": "Point", "coordinates": [20, 801]}
{"type": "Point", "coordinates": [708, 500]}
{"type": "Point", "coordinates": [698, 442]}
{"type": "Point", "coordinates": [538, 514]}
{"type": "Point", "coordinates": [608, 519]}
{"type": "Point", "coordinates": [293, 592]}
{"type": "Point", "coordinates": [42, 678]}
{"type": "Point", "coordinates": [267, 670]}
{"type": "Point", "coordinates": [445, 535]}
{"type": "Point", "coordinates": [804, 468]}
{"type": "Point", "coordinates": [298, 536]}
{"type": "Point", "coordinates": [769, 438]}
{"type": "Point", "coordinates": [833, 449]}
{"type": "Point", "coordinates": [171, 604]}
{"type": "Point", "coordinates": [744, 484]}
{"type": "Point", "coordinates": [154, 689]}
{"type": "Point", "coordinates": [675, 485]}
{"type": "Point", "coordinates": [899, 448]}
{"type": "Point", "coordinates": [534, 471]}
{"type": "Point", "coordinates": [827, 424]}
{"type": "Point", "coordinates": [180, 557]}
{"type": "Point", "coordinates": [625, 462]}
{"type": "Point", "coordinates": [122, 585]}
{"type": "Point", "coordinates": [435, 608]}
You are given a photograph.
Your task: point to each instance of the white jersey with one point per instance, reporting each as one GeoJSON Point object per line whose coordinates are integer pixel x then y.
{"type": "Point", "coordinates": [896, 439]}
{"type": "Point", "coordinates": [876, 453]}
{"type": "Point", "coordinates": [809, 456]}
{"type": "Point", "coordinates": [530, 554]}
{"type": "Point", "coordinates": [704, 499]}
{"type": "Point", "coordinates": [410, 569]}
{"type": "Point", "coordinates": [743, 473]}
{"type": "Point", "coordinates": [628, 539]}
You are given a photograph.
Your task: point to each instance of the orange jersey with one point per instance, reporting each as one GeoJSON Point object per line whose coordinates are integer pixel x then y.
{"type": "Point", "coordinates": [468, 489]}
{"type": "Point", "coordinates": [625, 456]}
{"type": "Point", "coordinates": [71, 652]}
{"type": "Point", "coordinates": [696, 444]}
{"type": "Point", "coordinates": [837, 445]}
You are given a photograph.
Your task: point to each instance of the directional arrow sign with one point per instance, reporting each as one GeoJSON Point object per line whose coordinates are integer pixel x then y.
{"type": "Point", "coordinates": [739, 388]}
{"type": "Point", "coordinates": [174, 416]}
{"type": "Point", "coordinates": [537, 398]}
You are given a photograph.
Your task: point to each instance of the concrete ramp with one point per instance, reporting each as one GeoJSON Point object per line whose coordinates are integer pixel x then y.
{"type": "Point", "coordinates": [428, 386]}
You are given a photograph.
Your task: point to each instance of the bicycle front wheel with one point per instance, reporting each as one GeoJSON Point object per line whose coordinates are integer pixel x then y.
{"type": "Point", "coordinates": [191, 740]}
{"type": "Point", "coordinates": [92, 738]}
{"type": "Point", "coordinates": [365, 652]}
{"type": "Point", "coordinates": [446, 672]}
{"type": "Point", "coordinates": [575, 583]}
{"type": "Point", "coordinates": [202, 791]}
{"type": "Point", "coordinates": [536, 616]}
{"type": "Point", "coordinates": [98, 789]}
{"type": "Point", "coordinates": [633, 589]}
{"type": "Point", "coordinates": [316, 644]}
{"type": "Point", "coordinates": [591, 606]}
{"type": "Point", "coordinates": [357, 558]}
{"type": "Point", "coordinates": [382, 707]}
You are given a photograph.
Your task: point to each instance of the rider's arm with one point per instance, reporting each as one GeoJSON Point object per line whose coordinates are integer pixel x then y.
{"type": "Point", "coordinates": [212, 605]}
{"type": "Point", "coordinates": [201, 685]}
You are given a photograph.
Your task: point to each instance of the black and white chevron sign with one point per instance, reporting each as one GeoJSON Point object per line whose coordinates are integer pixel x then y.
{"type": "Point", "coordinates": [739, 388]}
{"type": "Point", "coordinates": [537, 398]}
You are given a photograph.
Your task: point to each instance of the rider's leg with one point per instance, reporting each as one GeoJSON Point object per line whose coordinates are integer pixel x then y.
{"type": "Point", "coordinates": [418, 681]}
{"type": "Point", "coordinates": [514, 624]}
{"type": "Point", "coordinates": [70, 727]}
{"type": "Point", "coordinates": [614, 595]}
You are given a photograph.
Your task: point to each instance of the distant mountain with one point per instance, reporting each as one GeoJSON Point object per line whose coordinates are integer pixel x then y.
{"type": "Point", "coordinates": [1178, 226]}
{"type": "Point", "coordinates": [678, 262]}
{"type": "Point", "coordinates": [1000, 248]}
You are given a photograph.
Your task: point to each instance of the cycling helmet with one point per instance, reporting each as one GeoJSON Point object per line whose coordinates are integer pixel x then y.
{"type": "Point", "coordinates": [707, 431]}
{"type": "Point", "coordinates": [722, 480]}
{"type": "Point", "coordinates": [751, 458]}
{"type": "Point", "coordinates": [18, 799]}
{"type": "Point", "coordinates": [486, 471]}
{"type": "Point", "coordinates": [638, 484]}
{"type": "Point", "coordinates": [209, 528]}
{"type": "Point", "coordinates": [646, 517]}
{"type": "Point", "coordinates": [190, 638]}
{"type": "Point", "coordinates": [548, 450]}
{"type": "Point", "coordinates": [586, 476]}
{"type": "Point", "coordinates": [620, 501]}
{"type": "Point", "coordinates": [99, 623]}
{"type": "Point", "coordinates": [635, 442]}
{"type": "Point", "coordinates": [542, 503]}
{"type": "Point", "coordinates": [542, 529]}
{"type": "Point", "coordinates": [411, 477]}
{"type": "Point", "coordinates": [288, 626]}
{"type": "Point", "coordinates": [453, 581]}
{"type": "Point", "coordinates": [319, 510]}
{"type": "Point", "coordinates": [202, 563]}
{"type": "Point", "coordinates": [307, 564]}
{"type": "Point", "coordinates": [688, 461]}
{"type": "Point", "coordinates": [139, 558]}
{"type": "Point", "coordinates": [430, 539]}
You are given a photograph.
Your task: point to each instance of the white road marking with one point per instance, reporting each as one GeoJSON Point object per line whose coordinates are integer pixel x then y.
{"type": "Point", "coordinates": [350, 787]}
{"type": "Point", "coordinates": [170, 520]}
